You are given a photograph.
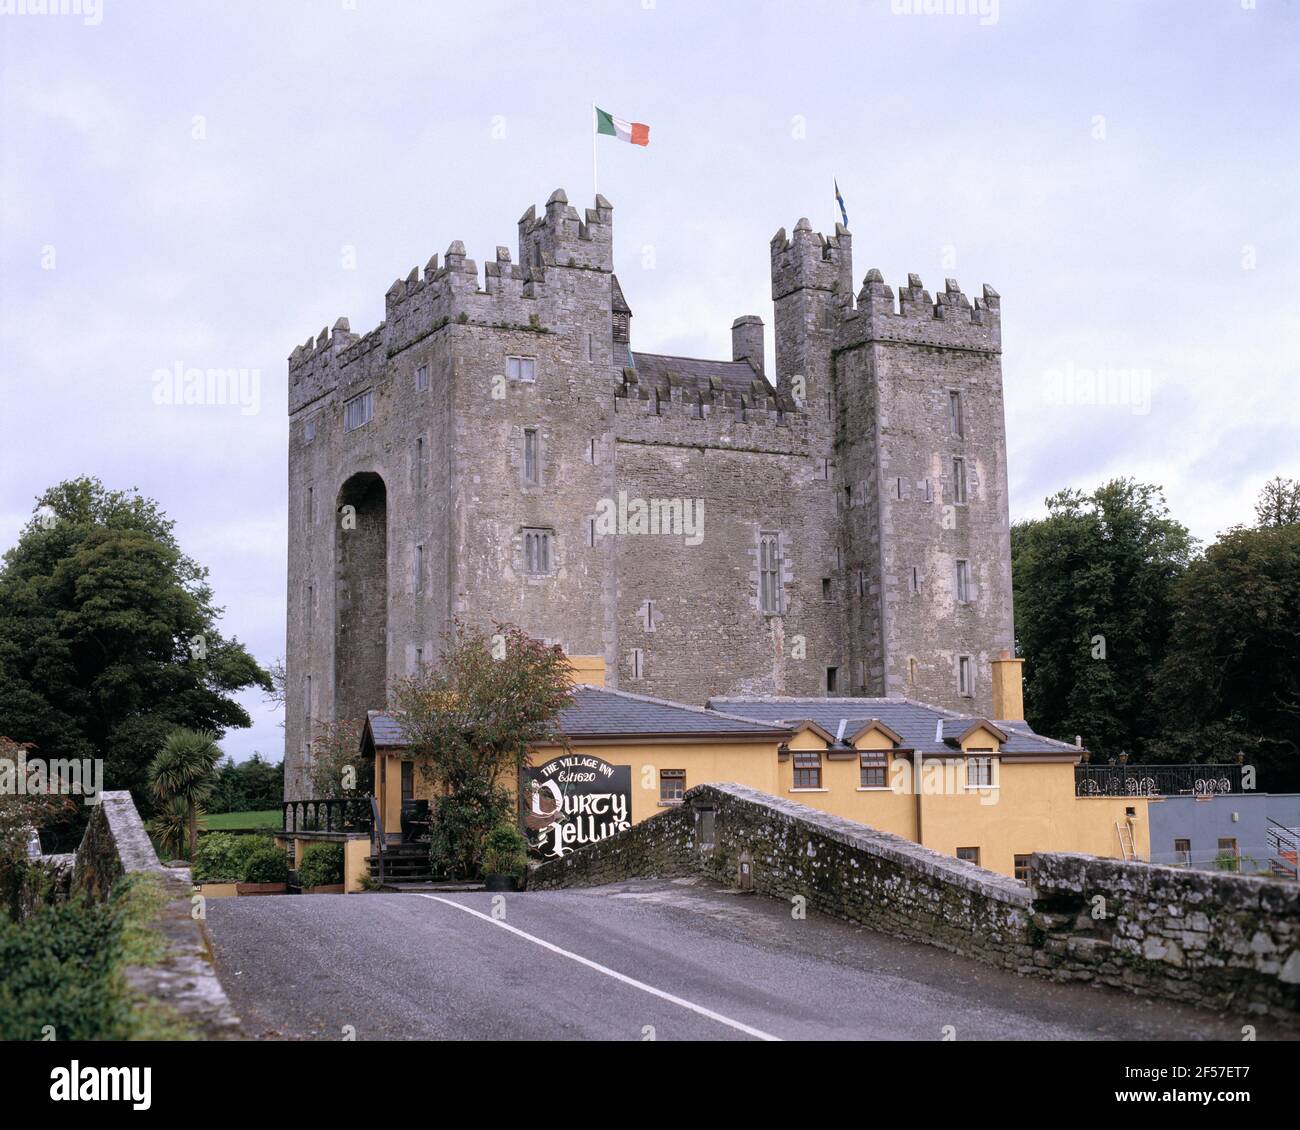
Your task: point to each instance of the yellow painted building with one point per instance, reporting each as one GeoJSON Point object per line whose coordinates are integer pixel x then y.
{"type": "Point", "coordinates": [989, 790]}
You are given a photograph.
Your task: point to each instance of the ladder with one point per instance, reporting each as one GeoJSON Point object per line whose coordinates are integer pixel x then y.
{"type": "Point", "coordinates": [1125, 832]}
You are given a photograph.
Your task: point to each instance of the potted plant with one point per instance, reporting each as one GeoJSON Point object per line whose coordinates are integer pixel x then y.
{"type": "Point", "coordinates": [321, 870]}
{"type": "Point", "coordinates": [505, 858]}
{"type": "Point", "coordinates": [265, 872]}
{"type": "Point", "coordinates": [219, 863]}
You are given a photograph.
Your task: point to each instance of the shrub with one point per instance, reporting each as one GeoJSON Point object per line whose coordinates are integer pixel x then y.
{"type": "Point", "coordinates": [266, 864]}
{"type": "Point", "coordinates": [505, 851]}
{"type": "Point", "coordinates": [221, 856]}
{"type": "Point", "coordinates": [321, 866]}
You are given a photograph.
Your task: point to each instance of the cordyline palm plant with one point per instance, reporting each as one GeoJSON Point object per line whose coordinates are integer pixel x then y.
{"type": "Point", "coordinates": [181, 777]}
{"type": "Point", "coordinates": [472, 719]}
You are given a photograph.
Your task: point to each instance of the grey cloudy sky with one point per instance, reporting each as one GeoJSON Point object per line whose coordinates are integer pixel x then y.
{"type": "Point", "coordinates": [209, 183]}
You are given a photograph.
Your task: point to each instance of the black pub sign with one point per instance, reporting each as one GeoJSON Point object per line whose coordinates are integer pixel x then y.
{"type": "Point", "coordinates": [573, 800]}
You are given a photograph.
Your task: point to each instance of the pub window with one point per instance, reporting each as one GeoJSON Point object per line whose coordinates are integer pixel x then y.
{"type": "Point", "coordinates": [672, 786]}
{"type": "Point", "coordinates": [521, 368]}
{"type": "Point", "coordinates": [638, 664]}
{"type": "Point", "coordinates": [965, 680]}
{"type": "Point", "coordinates": [979, 772]}
{"type": "Point", "coordinates": [421, 377]}
{"type": "Point", "coordinates": [969, 854]}
{"type": "Point", "coordinates": [873, 766]}
{"type": "Point", "coordinates": [1021, 866]}
{"type": "Point", "coordinates": [808, 770]}
{"type": "Point", "coordinates": [530, 457]}
{"type": "Point", "coordinates": [358, 410]}
{"type": "Point", "coordinates": [769, 573]}
{"type": "Point", "coordinates": [963, 582]}
{"type": "Point", "coordinates": [954, 413]}
{"type": "Point", "coordinates": [537, 551]}
{"type": "Point", "coordinates": [959, 480]}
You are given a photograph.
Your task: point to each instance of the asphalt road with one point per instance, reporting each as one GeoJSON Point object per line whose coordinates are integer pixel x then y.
{"type": "Point", "coordinates": [645, 959]}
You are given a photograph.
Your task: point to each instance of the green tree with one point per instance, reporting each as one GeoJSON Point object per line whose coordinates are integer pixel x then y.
{"type": "Point", "coordinates": [108, 635]}
{"type": "Point", "coordinates": [338, 768]}
{"type": "Point", "coordinates": [1093, 591]}
{"type": "Point", "coordinates": [472, 719]}
{"type": "Point", "coordinates": [181, 778]}
{"type": "Point", "coordinates": [1279, 502]}
{"type": "Point", "coordinates": [1231, 679]}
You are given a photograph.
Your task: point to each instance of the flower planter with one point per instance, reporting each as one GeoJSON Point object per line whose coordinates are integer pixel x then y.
{"type": "Point", "coordinates": [500, 883]}
{"type": "Point", "coordinates": [261, 888]}
{"type": "Point", "coordinates": [327, 889]}
{"type": "Point", "coordinates": [216, 890]}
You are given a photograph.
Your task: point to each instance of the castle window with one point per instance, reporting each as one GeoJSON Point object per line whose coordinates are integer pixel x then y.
{"type": "Point", "coordinates": [963, 582]}
{"type": "Point", "coordinates": [769, 573]}
{"type": "Point", "coordinates": [979, 771]}
{"type": "Point", "coordinates": [862, 582]}
{"type": "Point", "coordinates": [417, 569]}
{"type": "Point", "coordinates": [648, 616]}
{"type": "Point", "coordinates": [638, 664]}
{"type": "Point", "coordinates": [965, 677]}
{"type": "Point", "coordinates": [421, 378]}
{"type": "Point", "coordinates": [306, 707]}
{"type": "Point", "coordinates": [521, 368]}
{"type": "Point", "coordinates": [419, 660]}
{"type": "Point", "coordinates": [358, 410]}
{"type": "Point", "coordinates": [309, 599]}
{"type": "Point", "coordinates": [828, 590]}
{"type": "Point", "coordinates": [873, 767]}
{"type": "Point", "coordinates": [537, 551]}
{"type": "Point", "coordinates": [822, 470]}
{"type": "Point", "coordinates": [898, 489]}
{"type": "Point", "coordinates": [530, 457]}
{"type": "Point", "coordinates": [591, 451]}
{"type": "Point", "coordinates": [916, 579]}
{"type": "Point", "coordinates": [929, 491]}
{"type": "Point", "coordinates": [309, 430]}
{"type": "Point", "coordinates": [672, 786]}
{"type": "Point", "coordinates": [421, 463]}
{"type": "Point", "coordinates": [959, 480]}
{"type": "Point", "coordinates": [911, 672]}
{"type": "Point", "coordinates": [309, 508]}
{"type": "Point", "coordinates": [807, 769]}
{"type": "Point", "coordinates": [832, 679]}
{"type": "Point", "coordinates": [591, 531]}
{"type": "Point", "coordinates": [955, 423]}
{"type": "Point", "coordinates": [590, 345]}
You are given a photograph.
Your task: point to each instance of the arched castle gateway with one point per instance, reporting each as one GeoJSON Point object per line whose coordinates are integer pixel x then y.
{"type": "Point", "coordinates": [832, 522]}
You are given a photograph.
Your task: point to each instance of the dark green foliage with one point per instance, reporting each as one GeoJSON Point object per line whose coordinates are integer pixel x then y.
{"type": "Point", "coordinates": [1093, 595]}
{"type": "Point", "coordinates": [321, 866]}
{"type": "Point", "coordinates": [265, 864]}
{"type": "Point", "coordinates": [222, 857]}
{"type": "Point", "coordinates": [254, 785]}
{"type": "Point", "coordinates": [108, 636]}
{"type": "Point", "coordinates": [505, 851]}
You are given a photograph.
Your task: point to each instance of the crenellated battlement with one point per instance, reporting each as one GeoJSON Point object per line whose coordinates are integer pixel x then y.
{"type": "Point", "coordinates": [808, 260]}
{"type": "Point", "coordinates": [949, 319]}
{"type": "Point", "coordinates": [559, 238]}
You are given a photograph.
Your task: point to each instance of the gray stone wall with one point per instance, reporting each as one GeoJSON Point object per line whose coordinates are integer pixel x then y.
{"type": "Point", "coordinates": [1218, 941]}
{"type": "Point", "coordinates": [116, 844]}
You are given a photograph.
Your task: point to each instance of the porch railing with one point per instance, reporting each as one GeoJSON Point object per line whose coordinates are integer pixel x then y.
{"type": "Point", "coordinates": [1156, 780]}
{"type": "Point", "coordinates": [338, 814]}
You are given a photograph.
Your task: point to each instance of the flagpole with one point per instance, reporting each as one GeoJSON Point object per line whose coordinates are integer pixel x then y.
{"type": "Point", "coordinates": [595, 183]}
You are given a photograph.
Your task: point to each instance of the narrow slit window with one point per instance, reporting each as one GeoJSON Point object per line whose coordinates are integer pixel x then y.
{"type": "Point", "coordinates": [421, 378]}
{"type": "Point", "coordinates": [963, 582]}
{"type": "Point", "coordinates": [531, 462]}
{"type": "Point", "coordinates": [769, 573]}
{"type": "Point", "coordinates": [959, 480]}
{"type": "Point", "coordinates": [965, 677]}
{"type": "Point", "coordinates": [956, 425]}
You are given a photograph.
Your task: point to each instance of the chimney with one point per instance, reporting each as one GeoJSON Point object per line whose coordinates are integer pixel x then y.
{"type": "Point", "coordinates": [1008, 689]}
{"type": "Point", "coordinates": [747, 340]}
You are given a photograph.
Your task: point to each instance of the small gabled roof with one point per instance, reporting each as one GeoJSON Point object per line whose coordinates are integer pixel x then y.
{"type": "Point", "coordinates": [383, 731]}
{"type": "Point", "coordinates": [957, 730]}
{"type": "Point", "coordinates": [855, 729]}
{"type": "Point", "coordinates": [797, 724]}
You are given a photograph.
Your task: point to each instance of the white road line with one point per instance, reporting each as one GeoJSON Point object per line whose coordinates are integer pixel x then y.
{"type": "Point", "coordinates": [757, 1033]}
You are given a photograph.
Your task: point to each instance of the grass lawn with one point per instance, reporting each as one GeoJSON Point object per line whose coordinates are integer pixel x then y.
{"type": "Point", "coordinates": [224, 821]}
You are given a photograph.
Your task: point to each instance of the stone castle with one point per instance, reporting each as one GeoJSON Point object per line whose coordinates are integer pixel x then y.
{"type": "Point", "coordinates": [832, 521]}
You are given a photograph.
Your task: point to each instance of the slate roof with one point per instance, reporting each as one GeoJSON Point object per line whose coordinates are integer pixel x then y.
{"type": "Point", "coordinates": [714, 381]}
{"type": "Point", "coordinates": [602, 713]}
{"type": "Point", "coordinates": [929, 729]}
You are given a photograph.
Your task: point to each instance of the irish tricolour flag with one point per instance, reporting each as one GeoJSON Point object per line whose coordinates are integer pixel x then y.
{"type": "Point", "coordinates": [634, 132]}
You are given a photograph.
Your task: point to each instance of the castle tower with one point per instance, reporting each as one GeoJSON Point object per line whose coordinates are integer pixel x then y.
{"type": "Point", "coordinates": [922, 444]}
